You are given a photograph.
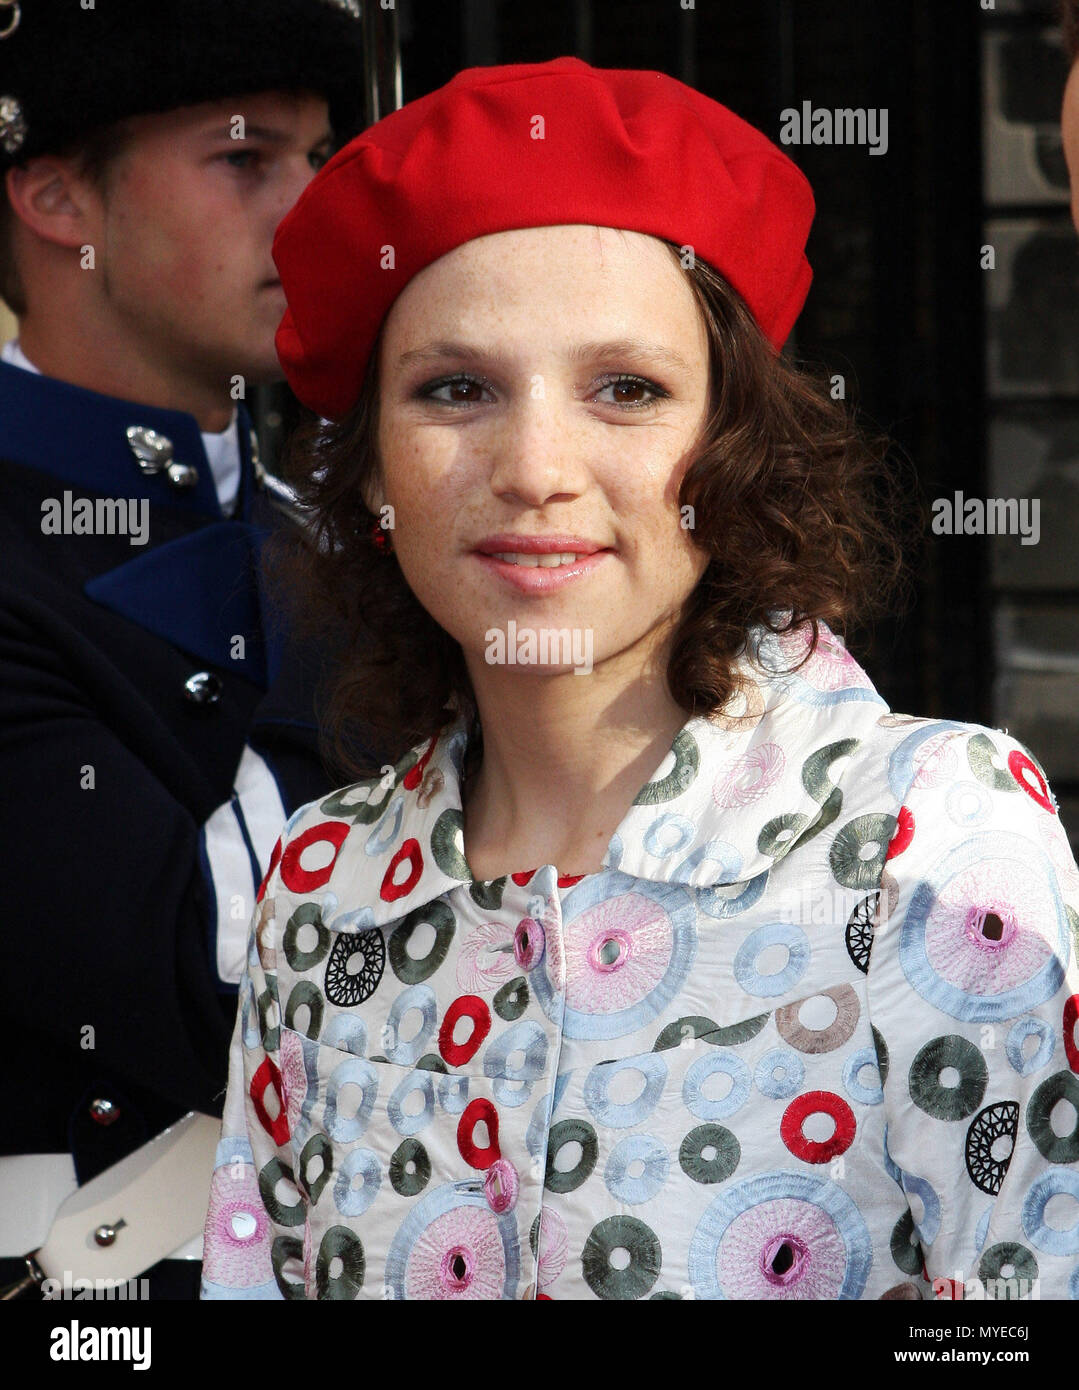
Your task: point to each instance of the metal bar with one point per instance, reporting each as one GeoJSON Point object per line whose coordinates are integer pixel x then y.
{"type": "Point", "coordinates": [381, 59]}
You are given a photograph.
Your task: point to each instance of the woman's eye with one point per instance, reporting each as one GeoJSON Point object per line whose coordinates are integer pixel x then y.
{"type": "Point", "coordinates": [468, 390]}
{"type": "Point", "coordinates": [635, 385]}
{"type": "Point", "coordinates": [456, 385]}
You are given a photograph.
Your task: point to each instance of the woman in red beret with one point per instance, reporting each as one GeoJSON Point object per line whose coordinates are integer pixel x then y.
{"type": "Point", "coordinates": [666, 961]}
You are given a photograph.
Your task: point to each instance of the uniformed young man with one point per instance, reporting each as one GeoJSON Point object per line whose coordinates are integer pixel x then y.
{"type": "Point", "coordinates": [155, 732]}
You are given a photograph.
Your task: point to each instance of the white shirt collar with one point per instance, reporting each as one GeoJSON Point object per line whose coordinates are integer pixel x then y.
{"type": "Point", "coordinates": [222, 450]}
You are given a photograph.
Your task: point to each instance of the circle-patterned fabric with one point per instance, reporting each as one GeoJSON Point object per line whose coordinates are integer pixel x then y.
{"type": "Point", "coordinates": [810, 1032]}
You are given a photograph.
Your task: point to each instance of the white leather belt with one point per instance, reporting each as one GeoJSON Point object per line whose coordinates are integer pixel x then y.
{"type": "Point", "coordinates": [32, 1186]}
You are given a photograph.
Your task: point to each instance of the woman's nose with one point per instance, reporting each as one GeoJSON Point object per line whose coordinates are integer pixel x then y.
{"type": "Point", "coordinates": [540, 455]}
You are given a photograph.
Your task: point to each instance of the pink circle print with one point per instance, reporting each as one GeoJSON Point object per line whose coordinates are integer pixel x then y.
{"type": "Point", "coordinates": [745, 779]}
{"type": "Point", "coordinates": [982, 934]}
{"type": "Point", "coordinates": [293, 1077]}
{"type": "Point", "coordinates": [238, 1249]}
{"type": "Point", "coordinates": [616, 953]}
{"type": "Point", "coordinates": [459, 1255]}
{"type": "Point", "coordinates": [782, 1249]}
{"type": "Point", "coordinates": [831, 667]}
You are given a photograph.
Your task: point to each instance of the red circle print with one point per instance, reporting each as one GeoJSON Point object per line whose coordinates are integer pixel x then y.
{"type": "Point", "coordinates": [1071, 1016]}
{"type": "Point", "coordinates": [1022, 769]}
{"type": "Point", "coordinates": [414, 776]}
{"type": "Point", "coordinates": [817, 1103]}
{"type": "Point", "coordinates": [467, 1006]}
{"type": "Point", "coordinates": [298, 880]}
{"type": "Point", "coordinates": [904, 833]}
{"type": "Point", "coordinates": [269, 1078]}
{"type": "Point", "coordinates": [275, 859]}
{"type": "Point", "coordinates": [473, 1113]}
{"type": "Point", "coordinates": [391, 891]}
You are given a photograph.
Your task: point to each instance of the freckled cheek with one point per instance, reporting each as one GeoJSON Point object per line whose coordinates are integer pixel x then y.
{"type": "Point", "coordinates": [430, 560]}
{"type": "Point", "coordinates": [424, 522]}
{"type": "Point", "coordinates": [424, 484]}
{"type": "Point", "coordinates": [656, 549]}
{"type": "Point", "coordinates": [647, 511]}
{"type": "Point", "coordinates": [417, 526]}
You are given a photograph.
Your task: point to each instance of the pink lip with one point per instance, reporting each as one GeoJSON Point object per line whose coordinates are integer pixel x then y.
{"type": "Point", "coordinates": [536, 580]}
{"type": "Point", "coordinates": [506, 544]}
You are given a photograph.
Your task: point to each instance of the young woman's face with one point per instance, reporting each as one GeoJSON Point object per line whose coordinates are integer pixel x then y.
{"type": "Point", "coordinates": [541, 390]}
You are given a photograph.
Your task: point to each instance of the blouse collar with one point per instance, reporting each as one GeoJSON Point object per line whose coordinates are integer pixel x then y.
{"type": "Point", "coordinates": [730, 798]}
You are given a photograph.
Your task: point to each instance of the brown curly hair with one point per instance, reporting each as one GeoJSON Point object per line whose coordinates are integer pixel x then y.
{"type": "Point", "coordinates": [804, 516]}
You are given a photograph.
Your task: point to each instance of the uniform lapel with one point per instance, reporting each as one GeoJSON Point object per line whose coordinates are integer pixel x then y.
{"type": "Point", "coordinates": [198, 592]}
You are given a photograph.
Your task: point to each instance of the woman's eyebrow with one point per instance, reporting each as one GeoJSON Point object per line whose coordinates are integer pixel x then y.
{"type": "Point", "coordinates": [629, 347]}
{"type": "Point", "coordinates": [582, 352]}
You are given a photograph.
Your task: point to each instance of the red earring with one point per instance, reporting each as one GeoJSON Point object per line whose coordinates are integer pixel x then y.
{"type": "Point", "coordinates": [381, 538]}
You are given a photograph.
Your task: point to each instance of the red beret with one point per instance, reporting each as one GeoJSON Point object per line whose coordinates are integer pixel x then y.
{"type": "Point", "coordinates": [637, 150]}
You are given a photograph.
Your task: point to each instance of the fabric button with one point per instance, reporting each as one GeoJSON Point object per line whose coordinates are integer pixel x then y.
{"type": "Point", "coordinates": [244, 1225]}
{"type": "Point", "coordinates": [104, 1112]}
{"type": "Point", "coordinates": [527, 943]}
{"type": "Point", "coordinates": [500, 1186]}
{"type": "Point", "coordinates": [609, 951]}
{"type": "Point", "coordinates": [203, 688]}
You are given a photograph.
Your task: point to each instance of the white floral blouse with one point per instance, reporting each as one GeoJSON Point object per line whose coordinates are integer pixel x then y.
{"type": "Point", "coordinates": [809, 1034]}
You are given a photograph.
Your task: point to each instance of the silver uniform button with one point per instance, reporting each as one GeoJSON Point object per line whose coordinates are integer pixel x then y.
{"type": "Point", "coordinates": [182, 475]}
{"type": "Point", "coordinates": [12, 122]}
{"type": "Point", "coordinates": [153, 451]}
{"type": "Point", "coordinates": [203, 688]}
{"type": "Point", "coordinates": [105, 1112]}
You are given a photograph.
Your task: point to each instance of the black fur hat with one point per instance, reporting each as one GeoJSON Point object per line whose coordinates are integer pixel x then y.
{"type": "Point", "coordinates": [70, 66]}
